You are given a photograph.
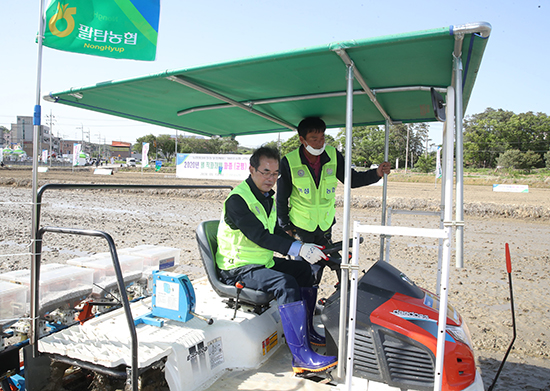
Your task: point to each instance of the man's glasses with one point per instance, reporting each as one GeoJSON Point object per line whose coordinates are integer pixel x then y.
{"type": "Point", "coordinates": [268, 174]}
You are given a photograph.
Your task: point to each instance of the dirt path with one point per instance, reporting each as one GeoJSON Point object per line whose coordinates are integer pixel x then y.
{"type": "Point", "coordinates": [479, 200]}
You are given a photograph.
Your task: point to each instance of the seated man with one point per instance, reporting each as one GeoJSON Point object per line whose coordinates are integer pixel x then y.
{"type": "Point", "coordinates": [248, 235]}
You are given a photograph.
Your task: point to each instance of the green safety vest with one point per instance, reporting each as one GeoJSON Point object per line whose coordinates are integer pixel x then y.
{"type": "Point", "coordinates": [234, 248]}
{"type": "Point", "coordinates": [311, 206]}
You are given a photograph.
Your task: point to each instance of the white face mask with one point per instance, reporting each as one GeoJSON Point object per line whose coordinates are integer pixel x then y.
{"type": "Point", "coordinates": [315, 152]}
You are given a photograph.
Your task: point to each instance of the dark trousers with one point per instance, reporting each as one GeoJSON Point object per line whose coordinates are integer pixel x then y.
{"type": "Point", "coordinates": [284, 279]}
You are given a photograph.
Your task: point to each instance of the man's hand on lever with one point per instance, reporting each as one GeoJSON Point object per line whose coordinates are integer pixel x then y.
{"type": "Point", "coordinates": [312, 252]}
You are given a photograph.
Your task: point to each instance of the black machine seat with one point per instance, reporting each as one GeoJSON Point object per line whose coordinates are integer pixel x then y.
{"type": "Point", "coordinates": [207, 240]}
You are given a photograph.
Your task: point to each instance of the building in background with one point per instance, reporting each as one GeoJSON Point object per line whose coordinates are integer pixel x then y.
{"type": "Point", "coordinates": [121, 150]}
{"type": "Point", "coordinates": [66, 146]}
{"type": "Point", "coordinates": [22, 133]}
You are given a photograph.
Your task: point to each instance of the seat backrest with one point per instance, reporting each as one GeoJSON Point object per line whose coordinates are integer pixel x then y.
{"type": "Point", "coordinates": [207, 239]}
{"type": "Point", "coordinates": [207, 233]}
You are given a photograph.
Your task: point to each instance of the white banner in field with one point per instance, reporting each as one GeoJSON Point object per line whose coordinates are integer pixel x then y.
{"type": "Point", "coordinates": [511, 188]}
{"type": "Point", "coordinates": [103, 171]}
{"type": "Point", "coordinates": [208, 166]}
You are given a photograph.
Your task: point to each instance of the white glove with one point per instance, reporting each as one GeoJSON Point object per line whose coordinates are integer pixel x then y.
{"type": "Point", "coordinates": [312, 252]}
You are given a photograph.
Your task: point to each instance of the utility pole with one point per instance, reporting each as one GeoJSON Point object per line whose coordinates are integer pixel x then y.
{"type": "Point", "coordinates": [426, 151]}
{"type": "Point", "coordinates": [52, 119]}
{"type": "Point", "coordinates": [61, 138]}
{"type": "Point", "coordinates": [99, 146]}
{"type": "Point", "coordinates": [85, 147]}
{"type": "Point", "coordinates": [23, 132]}
{"type": "Point", "coordinates": [84, 133]}
{"type": "Point", "coordinates": [407, 151]}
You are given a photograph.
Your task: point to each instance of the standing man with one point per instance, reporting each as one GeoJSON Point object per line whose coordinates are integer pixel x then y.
{"type": "Point", "coordinates": [248, 235]}
{"type": "Point", "coordinates": [306, 189]}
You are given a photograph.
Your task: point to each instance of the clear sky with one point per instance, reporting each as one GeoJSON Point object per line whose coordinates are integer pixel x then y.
{"type": "Point", "coordinates": [513, 74]}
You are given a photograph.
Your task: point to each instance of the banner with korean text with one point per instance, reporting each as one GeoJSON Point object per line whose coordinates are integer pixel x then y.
{"type": "Point", "coordinates": [123, 29]}
{"type": "Point", "coordinates": [77, 148]}
{"type": "Point", "coordinates": [438, 172]}
{"type": "Point", "coordinates": [505, 188]}
{"type": "Point", "coordinates": [145, 155]}
{"type": "Point", "coordinates": [208, 166]}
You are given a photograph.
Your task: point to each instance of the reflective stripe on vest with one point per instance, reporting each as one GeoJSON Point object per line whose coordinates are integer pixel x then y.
{"type": "Point", "coordinates": [310, 206]}
{"type": "Point", "coordinates": [234, 248]}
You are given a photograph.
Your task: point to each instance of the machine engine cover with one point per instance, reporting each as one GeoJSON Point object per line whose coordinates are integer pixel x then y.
{"type": "Point", "coordinates": [396, 333]}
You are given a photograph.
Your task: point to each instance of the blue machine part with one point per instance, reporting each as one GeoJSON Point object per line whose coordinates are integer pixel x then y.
{"type": "Point", "coordinates": [18, 381]}
{"type": "Point", "coordinates": [173, 296]}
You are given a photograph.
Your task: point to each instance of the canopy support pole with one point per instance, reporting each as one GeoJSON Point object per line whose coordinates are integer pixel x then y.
{"type": "Point", "coordinates": [36, 246]}
{"type": "Point", "coordinates": [442, 205]}
{"type": "Point", "coordinates": [457, 63]}
{"type": "Point", "coordinates": [385, 189]}
{"type": "Point", "coordinates": [483, 30]}
{"type": "Point", "coordinates": [448, 227]}
{"type": "Point", "coordinates": [204, 90]}
{"type": "Point", "coordinates": [345, 229]}
{"type": "Point", "coordinates": [352, 307]}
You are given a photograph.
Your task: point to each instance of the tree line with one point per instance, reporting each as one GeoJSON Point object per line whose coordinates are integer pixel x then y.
{"type": "Point", "coordinates": [501, 138]}
{"type": "Point", "coordinates": [491, 139]}
{"type": "Point", "coordinates": [164, 146]}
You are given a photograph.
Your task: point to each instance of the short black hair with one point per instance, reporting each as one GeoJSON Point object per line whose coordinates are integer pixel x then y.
{"type": "Point", "coordinates": [268, 152]}
{"type": "Point", "coordinates": [311, 124]}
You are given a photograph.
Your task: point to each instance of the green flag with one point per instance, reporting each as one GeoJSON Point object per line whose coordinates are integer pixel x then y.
{"type": "Point", "coordinates": [124, 29]}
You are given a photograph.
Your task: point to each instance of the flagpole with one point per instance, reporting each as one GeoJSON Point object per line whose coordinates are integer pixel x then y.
{"type": "Point", "coordinates": [36, 247]}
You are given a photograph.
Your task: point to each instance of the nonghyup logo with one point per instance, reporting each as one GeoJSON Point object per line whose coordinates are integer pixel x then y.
{"type": "Point", "coordinates": [64, 15]}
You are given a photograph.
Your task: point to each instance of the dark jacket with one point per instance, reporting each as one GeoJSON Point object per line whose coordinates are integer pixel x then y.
{"type": "Point", "coordinates": [239, 216]}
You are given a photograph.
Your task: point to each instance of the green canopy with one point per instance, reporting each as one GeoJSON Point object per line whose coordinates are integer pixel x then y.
{"type": "Point", "coordinates": [272, 93]}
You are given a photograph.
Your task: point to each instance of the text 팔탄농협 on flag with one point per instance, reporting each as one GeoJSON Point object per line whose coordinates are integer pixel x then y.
{"type": "Point", "coordinates": [123, 29]}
